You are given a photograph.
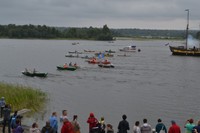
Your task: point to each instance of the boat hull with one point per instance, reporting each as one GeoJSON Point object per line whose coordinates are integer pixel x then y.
{"type": "Point", "coordinates": [106, 65]}
{"type": "Point", "coordinates": [36, 74]}
{"type": "Point", "coordinates": [66, 68]}
{"type": "Point", "coordinates": [184, 52]}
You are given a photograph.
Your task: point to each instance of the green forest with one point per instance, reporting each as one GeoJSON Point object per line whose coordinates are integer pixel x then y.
{"type": "Point", "coordinates": [46, 32]}
{"type": "Point", "coordinates": [91, 33]}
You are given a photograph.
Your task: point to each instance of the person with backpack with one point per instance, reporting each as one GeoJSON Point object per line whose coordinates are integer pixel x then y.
{"type": "Point", "coordinates": [145, 128]}
{"type": "Point", "coordinates": [67, 127]}
{"type": "Point", "coordinates": [13, 120]}
{"type": "Point", "coordinates": [75, 124]}
{"type": "Point", "coordinates": [160, 127]}
{"type": "Point", "coordinates": [102, 125]}
{"type": "Point", "coordinates": [47, 128]}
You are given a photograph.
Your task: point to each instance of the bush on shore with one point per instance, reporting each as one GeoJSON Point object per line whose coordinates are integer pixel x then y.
{"type": "Point", "coordinates": [20, 97]}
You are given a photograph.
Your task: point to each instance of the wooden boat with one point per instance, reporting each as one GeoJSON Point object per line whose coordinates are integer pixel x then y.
{"type": "Point", "coordinates": [106, 65]}
{"type": "Point", "coordinates": [34, 74]}
{"type": "Point", "coordinates": [184, 50]}
{"type": "Point", "coordinates": [128, 49]}
{"type": "Point", "coordinates": [70, 68]}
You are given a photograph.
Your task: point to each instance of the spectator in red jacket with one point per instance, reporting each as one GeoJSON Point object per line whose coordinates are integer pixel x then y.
{"type": "Point", "coordinates": [174, 128]}
{"type": "Point", "coordinates": [93, 123]}
{"type": "Point", "coordinates": [67, 126]}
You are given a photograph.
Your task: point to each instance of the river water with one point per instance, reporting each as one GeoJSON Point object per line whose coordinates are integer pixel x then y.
{"type": "Point", "coordinates": [149, 84]}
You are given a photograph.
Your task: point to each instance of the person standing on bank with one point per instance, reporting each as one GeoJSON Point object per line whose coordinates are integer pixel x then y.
{"type": "Point", "coordinates": [2, 105]}
{"type": "Point", "coordinates": [54, 122]}
{"type": "Point", "coordinates": [145, 128]}
{"type": "Point", "coordinates": [75, 124]}
{"type": "Point", "coordinates": [93, 123]}
{"type": "Point", "coordinates": [123, 125]}
{"type": "Point", "coordinates": [189, 125]}
{"type": "Point", "coordinates": [47, 128]}
{"type": "Point", "coordinates": [160, 126]}
{"type": "Point", "coordinates": [136, 128]}
{"type": "Point", "coordinates": [6, 118]}
{"type": "Point", "coordinates": [174, 128]}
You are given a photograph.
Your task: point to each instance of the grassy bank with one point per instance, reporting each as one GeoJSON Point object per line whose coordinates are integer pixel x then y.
{"type": "Point", "coordinates": [20, 97]}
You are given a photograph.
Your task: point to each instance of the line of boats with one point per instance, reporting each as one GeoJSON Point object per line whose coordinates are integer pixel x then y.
{"type": "Point", "coordinates": [91, 60]}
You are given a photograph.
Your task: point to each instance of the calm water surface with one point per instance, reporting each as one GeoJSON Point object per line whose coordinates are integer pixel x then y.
{"type": "Point", "coordinates": [151, 84]}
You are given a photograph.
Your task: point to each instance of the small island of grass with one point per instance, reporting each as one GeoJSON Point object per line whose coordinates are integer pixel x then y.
{"type": "Point", "coordinates": [20, 97]}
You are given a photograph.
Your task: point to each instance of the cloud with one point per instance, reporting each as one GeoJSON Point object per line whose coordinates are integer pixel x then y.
{"type": "Point", "coordinates": [115, 13]}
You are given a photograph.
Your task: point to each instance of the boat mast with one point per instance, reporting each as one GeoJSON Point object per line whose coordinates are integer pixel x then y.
{"type": "Point", "coordinates": [187, 28]}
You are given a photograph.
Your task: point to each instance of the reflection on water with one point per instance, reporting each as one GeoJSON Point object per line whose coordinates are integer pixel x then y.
{"type": "Point", "coordinates": [151, 84]}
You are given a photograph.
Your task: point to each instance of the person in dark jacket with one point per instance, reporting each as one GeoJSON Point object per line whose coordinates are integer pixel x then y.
{"type": "Point", "coordinates": [47, 128]}
{"type": "Point", "coordinates": [160, 126]}
{"type": "Point", "coordinates": [6, 118]}
{"type": "Point", "coordinates": [196, 129]}
{"type": "Point", "coordinates": [123, 125]}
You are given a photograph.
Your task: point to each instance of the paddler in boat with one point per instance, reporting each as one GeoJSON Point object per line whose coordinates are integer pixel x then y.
{"type": "Point", "coordinates": [70, 64]}
{"type": "Point", "coordinates": [65, 65]}
{"type": "Point", "coordinates": [26, 70]}
{"type": "Point", "coordinates": [75, 65]}
{"type": "Point", "coordinates": [34, 70]}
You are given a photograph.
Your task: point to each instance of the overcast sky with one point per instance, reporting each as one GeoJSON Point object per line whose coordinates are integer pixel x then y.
{"type": "Point", "coordinates": [143, 14]}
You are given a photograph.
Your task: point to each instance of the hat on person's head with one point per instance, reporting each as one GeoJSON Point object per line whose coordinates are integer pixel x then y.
{"type": "Point", "coordinates": [191, 120]}
{"type": "Point", "coordinates": [91, 114]}
{"type": "Point", "coordinates": [173, 122]}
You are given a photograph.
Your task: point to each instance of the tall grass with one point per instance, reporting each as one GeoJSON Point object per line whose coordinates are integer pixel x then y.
{"type": "Point", "coordinates": [20, 97]}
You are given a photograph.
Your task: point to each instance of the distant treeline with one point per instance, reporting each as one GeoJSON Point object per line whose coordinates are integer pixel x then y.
{"type": "Point", "coordinates": [160, 34]}
{"type": "Point", "coordinates": [46, 32]}
{"type": "Point", "coordinates": [32, 31]}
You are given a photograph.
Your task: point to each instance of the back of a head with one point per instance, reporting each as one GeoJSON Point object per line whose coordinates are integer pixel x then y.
{"type": "Point", "coordinates": [91, 114]}
{"type": "Point", "coordinates": [159, 120]}
{"type": "Point", "coordinates": [144, 120]}
{"type": "Point", "coordinates": [137, 123]}
{"type": "Point", "coordinates": [191, 121]}
{"type": "Point", "coordinates": [15, 113]}
{"type": "Point", "coordinates": [173, 122]}
{"type": "Point", "coordinates": [75, 117]}
{"type": "Point", "coordinates": [34, 125]}
{"type": "Point", "coordinates": [64, 112]}
{"type": "Point", "coordinates": [47, 123]}
{"type": "Point", "coordinates": [124, 117]}
{"type": "Point", "coordinates": [54, 114]}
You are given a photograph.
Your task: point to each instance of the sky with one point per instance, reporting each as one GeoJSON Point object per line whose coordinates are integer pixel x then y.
{"type": "Point", "coordinates": [142, 14]}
